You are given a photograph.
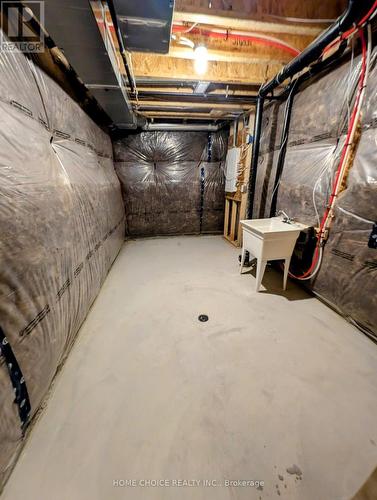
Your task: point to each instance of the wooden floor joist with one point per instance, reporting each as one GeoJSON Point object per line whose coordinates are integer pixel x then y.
{"type": "Point", "coordinates": [227, 56]}
{"type": "Point", "coordinates": [198, 105]}
{"type": "Point", "coordinates": [227, 19]}
{"type": "Point", "coordinates": [146, 65]}
{"type": "Point", "coordinates": [248, 43]}
{"type": "Point", "coordinates": [186, 114]}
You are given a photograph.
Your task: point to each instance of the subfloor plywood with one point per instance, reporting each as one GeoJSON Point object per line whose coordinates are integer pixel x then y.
{"type": "Point", "coordinates": [273, 380]}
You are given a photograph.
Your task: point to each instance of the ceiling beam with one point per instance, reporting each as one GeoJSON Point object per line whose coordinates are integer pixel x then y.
{"type": "Point", "coordinates": [226, 56]}
{"type": "Point", "coordinates": [237, 41]}
{"type": "Point", "coordinates": [185, 115]}
{"type": "Point", "coordinates": [311, 11]}
{"type": "Point", "coordinates": [226, 19]}
{"type": "Point", "coordinates": [158, 66]}
{"type": "Point", "coordinates": [195, 98]}
{"type": "Point", "coordinates": [188, 90]}
{"type": "Point", "coordinates": [197, 105]}
{"type": "Point", "coordinates": [152, 83]}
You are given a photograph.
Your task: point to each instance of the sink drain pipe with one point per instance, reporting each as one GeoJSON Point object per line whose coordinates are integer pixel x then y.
{"type": "Point", "coordinates": [356, 11]}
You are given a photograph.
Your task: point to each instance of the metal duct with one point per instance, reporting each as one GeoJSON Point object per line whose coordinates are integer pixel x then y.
{"type": "Point", "coordinates": [145, 25]}
{"type": "Point", "coordinates": [72, 26]}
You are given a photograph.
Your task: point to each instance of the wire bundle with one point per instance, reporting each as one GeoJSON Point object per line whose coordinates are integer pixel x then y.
{"type": "Point", "coordinates": [347, 148]}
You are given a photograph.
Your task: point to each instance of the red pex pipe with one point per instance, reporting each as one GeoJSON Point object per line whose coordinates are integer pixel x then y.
{"type": "Point", "coordinates": [348, 33]}
{"type": "Point", "coordinates": [342, 158]}
{"type": "Point", "coordinates": [232, 36]}
{"type": "Point", "coordinates": [352, 121]}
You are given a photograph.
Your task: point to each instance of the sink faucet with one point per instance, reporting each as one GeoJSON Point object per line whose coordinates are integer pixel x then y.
{"type": "Point", "coordinates": [286, 217]}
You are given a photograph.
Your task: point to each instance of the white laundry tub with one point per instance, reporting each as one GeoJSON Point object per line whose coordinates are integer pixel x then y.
{"type": "Point", "coordinates": [269, 239]}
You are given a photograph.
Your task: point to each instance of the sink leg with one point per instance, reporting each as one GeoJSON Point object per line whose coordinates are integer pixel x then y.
{"type": "Point", "coordinates": [261, 266]}
{"type": "Point", "coordinates": [242, 259]}
{"type": "Point", "coordinates": [286, 270]}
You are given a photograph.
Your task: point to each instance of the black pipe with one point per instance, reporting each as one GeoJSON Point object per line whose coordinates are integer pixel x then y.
{"type": "Point", "coordinates": [152, 82]}
{"type": "Point", "coordinates": [353, 14]}
{"type": "Point", "coordinates": [255, 154]}
{"type": "Point", "coordinates": [292, 89]}
{"type": "Point", "coordinates": [189, 97]}
{"type": "Point", "coordinates": [283, 144]}
{"type": "Point", "coordinates": [170, 82]}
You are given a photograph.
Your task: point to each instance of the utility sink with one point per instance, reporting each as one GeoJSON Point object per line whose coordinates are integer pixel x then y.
{"type": "Point", "coordinates": [270, 239]}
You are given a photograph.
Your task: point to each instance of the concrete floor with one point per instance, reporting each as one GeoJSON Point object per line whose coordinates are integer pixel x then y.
{"type": "Point", "coordinates": [272, 380]}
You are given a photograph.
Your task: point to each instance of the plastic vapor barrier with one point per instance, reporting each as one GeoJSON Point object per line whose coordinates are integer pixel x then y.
{"type": "Point", "coordinates": [348, 275]}
{"type": "Point", "coordinates": [172, 182]}
{"type": "Point", "coordinates": [62, 225]}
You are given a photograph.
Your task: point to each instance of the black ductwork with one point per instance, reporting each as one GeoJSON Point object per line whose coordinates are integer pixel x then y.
{"type": "Point", "coordinates": [355, 12]}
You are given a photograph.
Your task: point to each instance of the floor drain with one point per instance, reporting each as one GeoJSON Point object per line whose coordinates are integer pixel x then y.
{"type": "Point", "coordinates": [203, 318]}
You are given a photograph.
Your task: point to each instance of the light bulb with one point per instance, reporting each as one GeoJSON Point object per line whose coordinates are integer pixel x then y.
{"type": "Point", "coordinates": [201, 59]}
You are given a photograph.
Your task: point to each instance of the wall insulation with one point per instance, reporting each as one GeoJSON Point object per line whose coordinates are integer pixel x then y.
{"type": "Point", "coordinates": [172, 182]}
{"type": "Point", "coordinates": [348, 275]}
{"type": "Point", "coordinates": [62, 225]}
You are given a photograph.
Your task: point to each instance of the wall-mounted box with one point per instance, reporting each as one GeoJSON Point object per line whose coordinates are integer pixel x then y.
{"type": "Point", "coordinates": [231, 169]}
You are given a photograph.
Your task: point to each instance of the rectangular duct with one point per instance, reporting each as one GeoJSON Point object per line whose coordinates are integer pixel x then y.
{"type": "Point", "coordinates": [73, 27]}
{"type": "Point", "coordinates": [145, 25]}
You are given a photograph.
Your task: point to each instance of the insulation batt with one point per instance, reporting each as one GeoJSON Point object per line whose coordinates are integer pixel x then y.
{"type": "Point", "coordinates": [172, 182]}
{"type": "Point", "coordinates": [62, 225]}
{"type": "Point", "coordinates": [348, 275]}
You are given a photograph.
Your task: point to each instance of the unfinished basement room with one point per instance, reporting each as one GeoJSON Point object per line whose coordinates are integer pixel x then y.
{"type": "Point", "coordinates": [188, 279]}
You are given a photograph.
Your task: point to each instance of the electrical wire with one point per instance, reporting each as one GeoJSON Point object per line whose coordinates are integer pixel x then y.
{"type": "Point", "coordinates": [191, 28]}
{"type": "Point", "coordinates": [368, 17]}
{"type": "Point", "coordinates": [328, 166]}
{"type": "Point", "coordinates": [339, 176]}
{"type": "Point", "coordinates": [314, 270]}
{"type": "Point", "coordinates": [349, 80]}
{"type": "Point", "coordinates": [185, 41]}
{"type": "Point", "coordinates": [285, 140]}
{"type": "Point", "coordinates": [367, 221]}
{"type": "Point", "coordinates": [302, 19]}
{"type": "Point", "coordinates": [352, 127]}
{"type": "Point", "coordinates": [225, 34]}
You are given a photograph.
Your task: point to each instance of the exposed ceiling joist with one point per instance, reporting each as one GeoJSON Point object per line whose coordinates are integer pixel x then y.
{"type": "Point", "coordinates": [226, 56]}
{"type": "Point", "coordinates": [187, 115]}
{"type": "Point", "coordinates": [226, 19]}
{"type": "Point", "coordinates": [197, 105]}
{"type": "Point", "coordinates": [158, 85]}
{"type": "Point", "coordinates": [210, 99]}
{"type": "Point", "coordinates": [245, 48]}
{"type": "Point", "coordinates": [218, 71]}
{"type": "Point", "coordinates": [223, 93]}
